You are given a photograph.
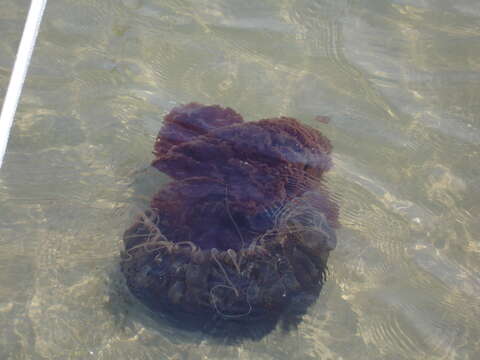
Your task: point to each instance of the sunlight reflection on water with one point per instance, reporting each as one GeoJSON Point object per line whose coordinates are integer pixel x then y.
{"type": "Point", "coordinates": [399, 80]}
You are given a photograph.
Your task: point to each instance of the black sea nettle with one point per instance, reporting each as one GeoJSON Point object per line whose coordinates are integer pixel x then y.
{"type": "Point", "coordinates": [244, 229]}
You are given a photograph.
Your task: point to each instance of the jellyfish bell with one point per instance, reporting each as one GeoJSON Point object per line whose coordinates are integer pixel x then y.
{"type": "Point", "coordinates": [244, 229]}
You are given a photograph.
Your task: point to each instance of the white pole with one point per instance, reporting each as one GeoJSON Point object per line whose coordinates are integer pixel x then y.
{"type": "Point", "coordinates": [19, 72]}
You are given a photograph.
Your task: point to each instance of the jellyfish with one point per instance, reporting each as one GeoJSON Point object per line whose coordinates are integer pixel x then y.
{"type": "Point", "coordinates": [244, 228]}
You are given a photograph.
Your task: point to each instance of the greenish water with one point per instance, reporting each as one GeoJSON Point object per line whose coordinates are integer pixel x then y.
{"type": "Point", "coordinates": [400, 80]}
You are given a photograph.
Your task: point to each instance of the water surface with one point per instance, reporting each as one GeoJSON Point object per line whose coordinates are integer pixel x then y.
{"type": "Point", "coordinates": [400, 81]}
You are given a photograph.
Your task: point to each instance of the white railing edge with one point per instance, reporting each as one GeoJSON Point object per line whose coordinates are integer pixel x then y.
{"type": "Point", "coordinates": [19, 72]}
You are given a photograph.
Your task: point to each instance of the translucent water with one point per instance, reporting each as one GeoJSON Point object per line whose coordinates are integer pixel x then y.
{"type": "Point", "coordinates": [399, 80]}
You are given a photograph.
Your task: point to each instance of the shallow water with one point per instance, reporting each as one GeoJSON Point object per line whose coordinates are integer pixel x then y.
{"type": "Point", "coordinates": [399, 80]}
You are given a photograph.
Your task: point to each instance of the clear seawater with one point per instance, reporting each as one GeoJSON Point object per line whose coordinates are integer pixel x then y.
{"type": "Point", "coordinates": [400, 80]}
